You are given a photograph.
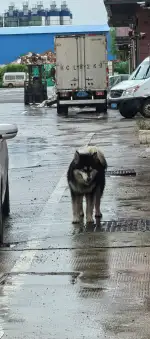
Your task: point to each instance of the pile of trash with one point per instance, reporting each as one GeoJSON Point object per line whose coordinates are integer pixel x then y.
{"type": "Point", "coordinates": [51, 57]}
{"type": "Point", "coordinates": [37, 59]}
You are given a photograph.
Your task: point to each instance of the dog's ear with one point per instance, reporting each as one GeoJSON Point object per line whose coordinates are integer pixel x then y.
{"type": "Point", "coordinates": [95, 156]}
{"type": "Point", "coordinates": [76, 157]}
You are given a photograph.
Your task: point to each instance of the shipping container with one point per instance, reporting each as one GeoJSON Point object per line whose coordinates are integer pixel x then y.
{"type": "Point", "coordinates": [81, 71]}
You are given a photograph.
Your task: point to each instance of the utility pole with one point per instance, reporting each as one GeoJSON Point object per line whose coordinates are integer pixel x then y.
{"type": "Point", "coordinates": [129, 58]}
{"type": "Point", "coordinates": [135, 36]}
{"type": "Point", "coordinates": [136, 33]}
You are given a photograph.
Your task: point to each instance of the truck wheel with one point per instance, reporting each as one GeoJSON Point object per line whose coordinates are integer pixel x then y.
{"type": "Point", "coordinates": [26, 99]}
{"type": "Point", "coordinates": [26, 103]}
{"type": "Point", "coordinates": [126, 110]}
{"type": "Point", "coordinates": [62, 110]}
{"type": "Point", "coordinates": [101, 108]}
{"type": "Point", "coordinates": [98, 109]}
{"type": "Point", "coordinates": [105, 109]}
{"type": "Point", "coordinates": [6, 204]}
{"type": "Point", "coordinates": [145, 109]}
{"type": "Point", "coordinates": [45, 96]}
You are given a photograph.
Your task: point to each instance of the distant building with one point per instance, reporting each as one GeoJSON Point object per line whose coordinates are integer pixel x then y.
{"type": "Point", "coordinates": [125, 13]}
{"type": "Point", "coordinates": [36, 16]}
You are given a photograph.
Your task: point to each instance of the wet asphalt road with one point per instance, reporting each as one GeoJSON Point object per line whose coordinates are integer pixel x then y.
{"type": "Point", "coordinates": [62, 281]}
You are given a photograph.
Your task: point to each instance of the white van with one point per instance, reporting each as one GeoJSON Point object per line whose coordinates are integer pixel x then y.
{"type": "Point", "coordinates": [131, 94]}
{"type": "Point", "coordinates": [14, 79]}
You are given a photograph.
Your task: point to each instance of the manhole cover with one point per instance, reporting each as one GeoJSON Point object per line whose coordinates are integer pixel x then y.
{"type": "Point", "coordinates": [124, 225]}
{"type": "Point", "coordinates": [121, 172]}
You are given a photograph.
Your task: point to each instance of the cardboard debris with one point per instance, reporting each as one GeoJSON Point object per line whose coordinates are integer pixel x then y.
{"type": "Point", "coordinates": [32, 58]}
{"type": "Point", "coordinates": [38, 59]}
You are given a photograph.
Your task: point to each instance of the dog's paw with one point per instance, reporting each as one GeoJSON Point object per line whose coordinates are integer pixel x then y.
{"type": "Point", "coordinates": [89, 221]}
{"type": "Point", "coordinates": [75, 221]}
{"type": "Point", "coordinates": [99, 215]}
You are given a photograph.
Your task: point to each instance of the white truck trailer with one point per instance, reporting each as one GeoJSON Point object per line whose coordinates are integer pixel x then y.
{"type": "Point", "coordinates": [81, 72]}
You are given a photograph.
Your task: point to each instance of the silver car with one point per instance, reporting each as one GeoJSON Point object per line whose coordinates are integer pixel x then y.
{"type": "Point", "coordinates": [7, 131]}
{"type": "Point", "coordinates": [115, 79]}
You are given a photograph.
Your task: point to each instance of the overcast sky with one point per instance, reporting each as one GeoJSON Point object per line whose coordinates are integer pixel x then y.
{"type": "Point", "coordinates": [85, 12]}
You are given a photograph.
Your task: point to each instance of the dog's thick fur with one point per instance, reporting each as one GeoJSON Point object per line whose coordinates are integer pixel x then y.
{"type": "Point", "coordinates": [86, 177]}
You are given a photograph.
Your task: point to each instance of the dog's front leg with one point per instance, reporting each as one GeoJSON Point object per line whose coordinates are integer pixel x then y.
{"type": "Point", "coordinates": [81, 206]}
{"type": "Point", "coordinates": [98, 195]}
{"type": "Point", "coordinates": [89, 207]}
{"type": "Point", "coordinates": [75, 208]}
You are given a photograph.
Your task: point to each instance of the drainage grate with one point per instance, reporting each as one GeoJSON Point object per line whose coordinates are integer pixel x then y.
{"type": "Point", "coordinates": [121, 172]}
{"type": "Point", "coordinates": [124, 225]}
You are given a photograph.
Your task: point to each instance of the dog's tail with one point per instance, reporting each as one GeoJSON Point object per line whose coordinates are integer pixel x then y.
{"type": "Point", "coordinates": [102, 159]}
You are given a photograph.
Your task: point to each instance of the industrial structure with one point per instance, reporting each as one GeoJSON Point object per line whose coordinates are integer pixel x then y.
{"type": "Point", "coordinates": [18, 41]}
{"type": "Point", "coordinates": [135, 15]}
{"type": "Point", "coordinates": [36, 16]}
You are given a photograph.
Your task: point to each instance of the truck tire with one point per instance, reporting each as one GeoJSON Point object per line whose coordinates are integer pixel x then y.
{"type": "Point", "coordinates": [98, 109]}
{"type": "Point", "coordinates": [26, 99]}
{"type": "Point", "coordinates": [126, 110]}
{"type": "Point", "coordinates": [101, 108]}
{"type": "Point", "coordinates": [62, 110]}
{"type": "Point", "coordinates": [45, 95]}
{"type": "Point", "coordinates": [145, 109]}
{"type": "Point", "coordinates": [105, 108]}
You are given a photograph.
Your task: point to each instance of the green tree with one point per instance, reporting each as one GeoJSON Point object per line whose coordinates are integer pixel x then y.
{"type": "Point", "coordinates": [121, 67]}
{"type": "Point", "coordinates": [114, 49]}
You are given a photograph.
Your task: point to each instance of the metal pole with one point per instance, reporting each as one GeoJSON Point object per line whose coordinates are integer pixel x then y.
{"type": "Point", "coordinates": [129, 65]}
{"type": "Point", "coordinates": [129, 57]}
{"type": "Point", "coordinates": [133, 54]}
{"type": "Point", "coordinates": [137, 52]}
{"type": "Point", "coordinates": [136, 42]}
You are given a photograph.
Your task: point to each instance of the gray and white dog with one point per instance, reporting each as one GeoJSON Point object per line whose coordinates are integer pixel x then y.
{"type": "Point", "coordinates": [86, 177]}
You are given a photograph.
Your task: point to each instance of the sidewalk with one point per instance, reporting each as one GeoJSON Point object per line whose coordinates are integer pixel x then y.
{"type": "Point", "coordinates": [72, 282]}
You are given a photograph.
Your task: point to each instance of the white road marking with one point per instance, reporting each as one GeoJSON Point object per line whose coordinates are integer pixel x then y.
{"type": "Point", "coordinates": [1, 332]}
{"type": "Point", "coordinates": [24, 112]}
{"type": "Point", "coordinates": [26, 258]}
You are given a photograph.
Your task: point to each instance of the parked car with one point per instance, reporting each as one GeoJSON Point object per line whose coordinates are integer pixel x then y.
{"type": "Point", "coordinates": [14, 79]}
{"type": "Point", "coordinates": [113, 81]}
{"type": "Point", "coordinates": [133, 95]}
{"type": "Point", "coordinates": [6, 132]}
{"type": "Point", "coordinates": [116, 79]}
